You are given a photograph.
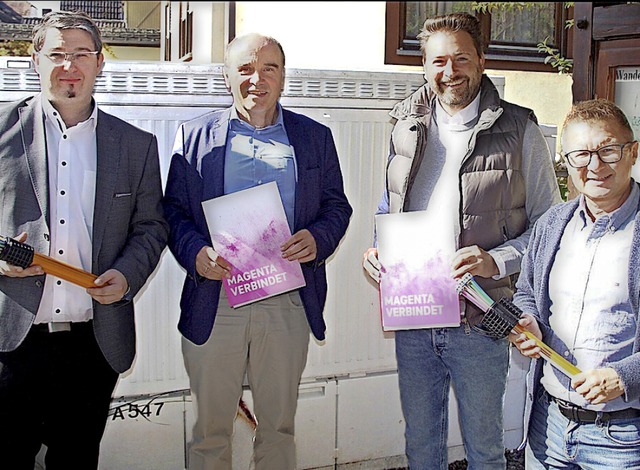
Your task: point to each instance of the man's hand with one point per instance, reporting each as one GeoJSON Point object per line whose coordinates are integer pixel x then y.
{"type": "Point", "coordinates": [598, 385]}
{"type": "Point", "coordinates": [473, 260]}
{"type": "Point", "coordinates": [526, 346]}
{"type": "Point", "coordinates": [371, 264]}
{"type": "Point", "coordinates": [10, 270]}
{"type": "Point", "coordinates": [110, 287]}
{"type": "Point", "coordinates": [300, 247]}
{"type": "Point", "coordinates": [211, 265]}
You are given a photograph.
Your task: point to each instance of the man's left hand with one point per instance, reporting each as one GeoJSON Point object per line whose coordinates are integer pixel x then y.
{"type": "Point", "coordinates": [300, 247]}
{"type": "Point", "coordinates": [473, 260]}
{"type": "Point", "coordinates": [598, 385]}
{"type": "Point", "coordinates": [110, 287]}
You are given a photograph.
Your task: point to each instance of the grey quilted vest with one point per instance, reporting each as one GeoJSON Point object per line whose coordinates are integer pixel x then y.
{"type": "Point", "coordinates": [491, 185]}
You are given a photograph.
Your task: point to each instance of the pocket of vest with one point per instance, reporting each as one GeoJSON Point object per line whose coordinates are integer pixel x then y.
{"type": "Point", "coordinates": [505, 233]}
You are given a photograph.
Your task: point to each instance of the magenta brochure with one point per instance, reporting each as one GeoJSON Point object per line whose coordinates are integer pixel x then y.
{"type": "Point", "coordinates": [416, 286]}
{"type": "Point", "coordinates": [247, 229]}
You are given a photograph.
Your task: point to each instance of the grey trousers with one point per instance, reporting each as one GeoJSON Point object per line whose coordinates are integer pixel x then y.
{"type": "Point", "coordinates": [268, 341]}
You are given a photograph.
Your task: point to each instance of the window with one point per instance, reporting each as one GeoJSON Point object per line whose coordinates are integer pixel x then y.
{"type": "Point", "coordinates": [185, 44]}
{"type": "Point", "coordinates": [167, 31]}
{"type": "Point", "coordinates": [513, 33]}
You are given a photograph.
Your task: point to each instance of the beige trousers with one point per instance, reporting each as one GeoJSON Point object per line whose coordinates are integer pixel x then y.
{"type": "Point", "coordinates": [268, 341]}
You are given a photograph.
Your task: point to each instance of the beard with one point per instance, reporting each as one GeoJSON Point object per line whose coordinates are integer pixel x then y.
{"type": "Point", "coordinates": [71, 92]}
{"type": "Point", "coordinates": [461, 96]}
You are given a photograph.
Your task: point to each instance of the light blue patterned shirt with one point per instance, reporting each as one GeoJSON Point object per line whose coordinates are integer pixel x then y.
{"type": "Point", "coordinates": [258, 156]}
{"type": "Point", "coordinates": [591, 311]}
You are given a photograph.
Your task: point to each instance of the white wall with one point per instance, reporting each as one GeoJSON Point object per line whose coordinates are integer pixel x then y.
{"type": "Point", "coordinates": [321, 35]}
{"type": "Point", "coordinates": [351, 36]}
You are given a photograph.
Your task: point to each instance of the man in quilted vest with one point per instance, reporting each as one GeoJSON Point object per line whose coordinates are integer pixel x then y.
{"type": "Point", "coordinates": [482, 167]}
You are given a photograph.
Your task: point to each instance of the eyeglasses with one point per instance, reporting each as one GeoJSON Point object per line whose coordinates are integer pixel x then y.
{"type": "Point", "coordinates": [59, 58]}
{"type": "Point", "coordinates": [607, 154]}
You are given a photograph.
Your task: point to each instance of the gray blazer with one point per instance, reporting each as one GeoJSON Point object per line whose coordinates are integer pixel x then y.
{"type": "Point", "coordinates": [129, 230]}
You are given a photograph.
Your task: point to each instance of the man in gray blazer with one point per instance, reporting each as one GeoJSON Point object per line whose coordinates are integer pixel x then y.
{"type": "Point", "coordinates": [83, 187]}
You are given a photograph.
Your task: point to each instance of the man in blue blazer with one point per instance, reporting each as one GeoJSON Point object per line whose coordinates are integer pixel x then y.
{"type": "Point", "coordinates": [83, 187]}
{"type": "Point", "coordinates": [253, 142]}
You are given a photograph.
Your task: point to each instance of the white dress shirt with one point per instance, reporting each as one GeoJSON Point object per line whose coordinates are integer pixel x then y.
{"type": "Point", "coordinates": [591, 311]}
{"type": "Point", "coordinates": [72, 163]}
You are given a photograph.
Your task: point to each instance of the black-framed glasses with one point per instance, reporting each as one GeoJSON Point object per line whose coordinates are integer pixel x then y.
{"type": "Point", "coordinates": [611, 153]}
{"type": "Point", "coordinates": [59, 57]}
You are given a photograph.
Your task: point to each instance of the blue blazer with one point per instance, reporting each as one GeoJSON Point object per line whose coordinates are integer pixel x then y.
{"type": "Point", "coordinates": [197, 174]}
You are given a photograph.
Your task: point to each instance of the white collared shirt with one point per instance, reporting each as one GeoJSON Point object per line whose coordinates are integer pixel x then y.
{"type": "Point", "coordinates": [464, 116]}
{"type": "Point", "coordinates": [72, 164]}
{"type": "Point", "coordinates": [441, 171]}
{"type": "Point", "coordinates": [591, 311]}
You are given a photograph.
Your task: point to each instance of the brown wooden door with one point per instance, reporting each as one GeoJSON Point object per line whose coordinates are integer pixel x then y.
{"type": "Point", "coordinates": [606, 40]}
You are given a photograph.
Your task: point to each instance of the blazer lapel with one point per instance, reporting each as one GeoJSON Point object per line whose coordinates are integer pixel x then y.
{"type": "Point", "coordinates": [108, 148]}
{"type": "Point", "coordinates": [297, 141]}
{"type": "Point", "coordinates": [35, 151]}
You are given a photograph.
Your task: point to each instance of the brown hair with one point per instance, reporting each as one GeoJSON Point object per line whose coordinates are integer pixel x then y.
{"type": "Point", "coordinates": [452, 22]}
{"type": "Point", "coordinates": [598, 110]}
{"type": "Point", "coordinates": [65, 20]}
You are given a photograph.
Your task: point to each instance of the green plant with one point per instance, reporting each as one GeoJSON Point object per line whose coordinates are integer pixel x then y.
{"type": "Point", "coordinates": [554, 58]}
{"type": "Point", "coordinates": [15, 48]}
{"type": "Point", "coordinates": [109, 49]}
{"type": "Point", "coordinates": [557, 61]}
{"type": "Point", "coordinates": [488, 7]}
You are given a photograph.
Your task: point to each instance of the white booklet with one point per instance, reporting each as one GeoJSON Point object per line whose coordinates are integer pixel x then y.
{"type": "Point", "coordinates": [247, 229]}
{"type": "Point", "coordinates": [416, 286]}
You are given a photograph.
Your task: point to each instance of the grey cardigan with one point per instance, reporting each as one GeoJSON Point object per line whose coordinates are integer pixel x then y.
{"type": "Point", "coordinates": [532, 296]}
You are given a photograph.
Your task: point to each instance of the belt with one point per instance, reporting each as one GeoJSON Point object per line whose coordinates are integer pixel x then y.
{"type": "Point", "coordinates": [53, 327]}
{"type": "Point", "coordinates": [581, 415]}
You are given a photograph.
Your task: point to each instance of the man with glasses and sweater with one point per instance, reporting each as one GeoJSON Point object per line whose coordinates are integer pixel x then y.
{"type": "Point", "coordinates": [83, 187]}
{"type": "Point", "coordinates": [580, 290]}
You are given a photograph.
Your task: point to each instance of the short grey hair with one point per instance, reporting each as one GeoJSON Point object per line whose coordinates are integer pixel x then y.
{"type": "Point", "coordinates": [240, 39]}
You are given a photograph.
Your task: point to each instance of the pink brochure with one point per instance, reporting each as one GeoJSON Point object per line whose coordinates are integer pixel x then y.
{"type": "Point", "coordinates": [247, 229]}
{"type": "Point", "coordinates": [416, 286]}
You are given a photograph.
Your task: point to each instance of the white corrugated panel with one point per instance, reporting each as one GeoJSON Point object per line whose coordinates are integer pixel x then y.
{"type": "Point", "coordinates": [355, 365]}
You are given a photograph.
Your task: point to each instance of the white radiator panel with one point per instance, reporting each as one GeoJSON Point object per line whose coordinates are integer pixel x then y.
{"type": "Point", "coordinates": [355, 365]}
{"type": "Point", "coordinates": [354, 341]}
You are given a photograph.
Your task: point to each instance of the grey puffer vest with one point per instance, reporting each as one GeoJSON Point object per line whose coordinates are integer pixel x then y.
{"type": "Point", "coordinates": [491, 184]}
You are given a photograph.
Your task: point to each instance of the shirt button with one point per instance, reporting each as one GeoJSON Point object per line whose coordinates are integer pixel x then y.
{"type": "Point", "coordinates": [62, 222]}
{"type": "Point", "coordinates": [59, 282]}
{"type": "Point", "coordinates": [57, 310]}
{"type": "Point", "coordinates": [566, 354]}
{"type": "Point", "coordinates": [63, 192]}
{"type": "Point", "coordinates": [64, 136]}
{"type": "Point", "coordinates": [63, 163]}
{"type": "Point", "coordinates": [61, 252]}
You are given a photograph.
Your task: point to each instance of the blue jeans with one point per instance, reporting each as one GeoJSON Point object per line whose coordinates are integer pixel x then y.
{"type": "Point", "coordinates": [429, 361]}
{"type": "Point", "coordinates": [557, 442]}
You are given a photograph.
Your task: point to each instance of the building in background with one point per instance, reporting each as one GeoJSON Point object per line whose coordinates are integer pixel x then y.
{"type": "Point", "coordinates": [130, 30]}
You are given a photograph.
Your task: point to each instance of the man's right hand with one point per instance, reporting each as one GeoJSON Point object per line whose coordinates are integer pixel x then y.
{"type": "Point", "coordinates": [526, 346]}
{"type": "Point", "coordinates": [211, 265]}
{"type": "Point", "coordinates": [371, 264]}
{"type": "Point", "coordinates": [10, 270]}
